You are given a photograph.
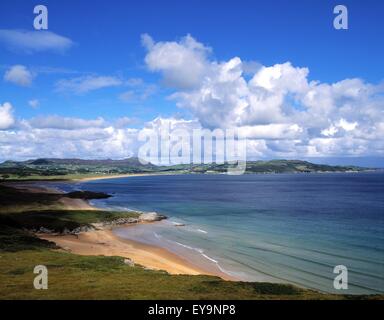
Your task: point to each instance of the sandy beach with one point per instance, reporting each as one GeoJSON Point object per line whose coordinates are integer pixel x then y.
{"type": "Point", "coordinates": [117, 176]}
{"type": "Point", "coordinates": [105, 242]}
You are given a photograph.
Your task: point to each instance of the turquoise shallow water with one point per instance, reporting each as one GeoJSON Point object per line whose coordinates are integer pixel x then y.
{"type": "Point", "coordinates": [286, 228]}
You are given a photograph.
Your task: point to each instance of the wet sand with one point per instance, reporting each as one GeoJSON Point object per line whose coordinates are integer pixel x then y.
{"type": "Point", "coordinates": [85, 179]}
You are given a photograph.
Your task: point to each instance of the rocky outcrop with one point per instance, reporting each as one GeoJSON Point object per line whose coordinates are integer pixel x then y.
{"type": "Point", "coordinates": [151, 217]}
{"type": "Point", "coordinates": [129, 262]}
{"type": "Point", "coordinates": [114, 223]}
{"type": "Point", "coordinates": [143, 217]}
{"type": "Point", "coordinates": [78, 230]}
{"type": "Point", "coordinates": [43, 230]}
{"type": "Point", "coordinates": [64, 231]}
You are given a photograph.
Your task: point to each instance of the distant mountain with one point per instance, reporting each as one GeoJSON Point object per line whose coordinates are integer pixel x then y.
{"type": "Point", "coordinates": [83, 162]}
{"type": "Point", "coordinates": [62, 167]}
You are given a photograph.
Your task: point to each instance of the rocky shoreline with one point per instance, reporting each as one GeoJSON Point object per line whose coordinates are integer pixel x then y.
{"type": "Point", "coordinates": [147, 217]}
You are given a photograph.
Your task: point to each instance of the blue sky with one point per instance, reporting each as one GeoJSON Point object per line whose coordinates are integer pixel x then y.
{"type": "Point", "coordinates": [105, 41]}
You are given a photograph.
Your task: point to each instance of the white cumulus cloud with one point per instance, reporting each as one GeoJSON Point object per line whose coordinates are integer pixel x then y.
{"type": "Point", "coordinates": [182, 63]}
{"type": "Point", "coordinates": [19, 75]}
{"type": "Point", "coordinates": [281, 110]}
{"type": "Point", "coordinates": [6, 116]}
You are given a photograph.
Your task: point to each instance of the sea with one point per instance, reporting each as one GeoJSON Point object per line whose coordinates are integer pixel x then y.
{"type": "Point", "coordinates": [284, 228]}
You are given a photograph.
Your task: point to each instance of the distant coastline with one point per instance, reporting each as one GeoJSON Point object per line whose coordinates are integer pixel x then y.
{"type": "Point", "coordinates": [87, 170]}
